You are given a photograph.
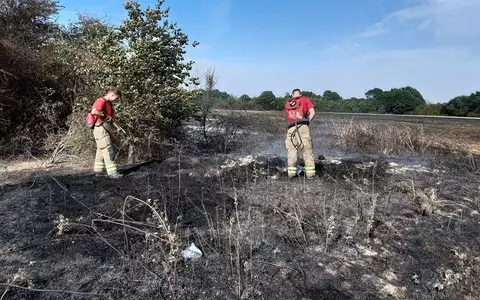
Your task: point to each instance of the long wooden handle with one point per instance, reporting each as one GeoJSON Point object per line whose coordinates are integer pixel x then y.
{"type": "Point", "coordinates": [118, 127]}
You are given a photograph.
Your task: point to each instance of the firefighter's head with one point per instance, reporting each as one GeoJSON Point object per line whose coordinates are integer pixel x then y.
{"type": "Point", "coordinates": [296, 93]}
{"type": "Point", "coordinates": [113, 94]}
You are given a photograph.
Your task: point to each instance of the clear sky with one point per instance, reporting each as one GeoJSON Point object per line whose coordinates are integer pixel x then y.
{"type": "Point", "coordinates": [348, 46]}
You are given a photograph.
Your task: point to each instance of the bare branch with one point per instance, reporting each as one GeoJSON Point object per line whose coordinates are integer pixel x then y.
{"type": "Point", "coordinates": [49, 291]}
{"type": "Point", "coordinates": [211, 79]}
{"type": "Point", "coordinates": [8, 73]}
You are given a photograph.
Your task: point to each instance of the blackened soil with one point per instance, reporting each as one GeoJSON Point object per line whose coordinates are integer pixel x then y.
{"type": "Point", "coordinates": [356, 232]}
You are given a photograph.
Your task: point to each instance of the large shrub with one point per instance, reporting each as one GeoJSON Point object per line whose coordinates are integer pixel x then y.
{"type": "Point", "coordinates": [34, 96]}
{"type": "Point", "coordinates": [144, 58]}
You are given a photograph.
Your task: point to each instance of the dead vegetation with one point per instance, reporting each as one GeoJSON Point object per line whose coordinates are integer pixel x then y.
{"type": "Point", "coordinates": [393, 139]}
{"type": "Point", "coordinates": [227, 131]}
{"type": "Point", "coordinates": [357, 232]}
{"type": "Point", "coordinates": [342, 236]}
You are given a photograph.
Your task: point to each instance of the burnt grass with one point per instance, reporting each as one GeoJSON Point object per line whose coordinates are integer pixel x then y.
{"type": "Point", "coordinates": [357, 231]}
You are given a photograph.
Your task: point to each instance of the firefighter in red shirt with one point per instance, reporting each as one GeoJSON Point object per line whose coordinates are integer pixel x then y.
{"type": "Point", "coordinates": [299, 112]}
{"type": "Point", "coordinates": [105, 113]}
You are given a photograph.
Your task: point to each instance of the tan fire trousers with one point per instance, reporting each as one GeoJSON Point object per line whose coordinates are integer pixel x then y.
{"type": "Point", "coordinates": [104, 159]}
{"type": "Point", "coordinates": [298, 138]}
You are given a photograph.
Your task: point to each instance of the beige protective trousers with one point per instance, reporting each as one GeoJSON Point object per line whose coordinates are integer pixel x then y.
{"type": "Point", "coordinates": [104, 159]}
{"type": "Point", "coordinates": [298, 137]}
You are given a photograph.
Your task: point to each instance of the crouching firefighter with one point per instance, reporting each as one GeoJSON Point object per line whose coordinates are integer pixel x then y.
{"type": "Point", "coordinates": [299, 114]}
{"type": "Point", "coordinates": [100, 119]}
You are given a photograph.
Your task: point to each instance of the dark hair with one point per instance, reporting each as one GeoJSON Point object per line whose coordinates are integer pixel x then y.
{"type": "Point", "coordinates": [114, 90]}
{"type": "Point", "coordinates": [296, 90]}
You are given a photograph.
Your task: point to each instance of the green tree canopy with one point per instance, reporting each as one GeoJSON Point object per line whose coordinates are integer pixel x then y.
{"type": "Point", "coordinates": [375, 93]}
{"type": "Point", "coordinates": [34, 96]}
{"type": "Point", "coordinates": [401, 101]}
{"type": "Point", "coordinates": [144, 57]}
{"type": "Point", "coordinates": [28, 20]}
{"type": "Point", "coordinates": [331, 96]}
{"type": "Point", "coordinates": [245, 97]}
{"type": "Point", "coordinates": [222, 95]}
{"type": "Point", "coordinates": [463, 106]}
{"type": "Point", "coordinates": [309, 94]}
{"type": "Point", "coordinates": [430, 109]}
{"type": "Point", "coordinates": [266, 99]}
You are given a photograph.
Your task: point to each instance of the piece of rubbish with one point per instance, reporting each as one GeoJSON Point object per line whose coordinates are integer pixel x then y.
{"type": "Point", "coordinates": [192, 252]}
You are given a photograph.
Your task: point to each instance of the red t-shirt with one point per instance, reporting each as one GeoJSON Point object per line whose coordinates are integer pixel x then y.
{"type": "Point", "coordinates": [296, 109]}
{"type": "Point", "coordinates": [106, 107]}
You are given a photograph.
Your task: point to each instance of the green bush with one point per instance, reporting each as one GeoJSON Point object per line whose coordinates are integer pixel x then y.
{"type": "Point", "coordinates": [429, 109]}
{"type": "Point", "coordinates": [143, 58]}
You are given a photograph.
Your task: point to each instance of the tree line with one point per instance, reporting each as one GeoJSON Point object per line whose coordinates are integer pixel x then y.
{"type": "Point", "coordinates": [404, 100]}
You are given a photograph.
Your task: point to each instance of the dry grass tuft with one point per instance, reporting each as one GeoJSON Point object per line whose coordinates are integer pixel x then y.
{"type": "Point", "coordinates": [427, 200]}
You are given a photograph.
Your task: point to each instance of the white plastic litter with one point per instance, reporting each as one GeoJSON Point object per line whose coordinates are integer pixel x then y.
{"type": "Point", "coordinates": [331, 160]}
{"type": "Point", "coordinates": [192, 252]}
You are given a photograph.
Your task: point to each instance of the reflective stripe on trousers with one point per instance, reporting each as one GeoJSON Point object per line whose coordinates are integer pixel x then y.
{"type": "Point", "coordinates": [310, 171]}
{"type": "Point", "coordinates": [292, 171]}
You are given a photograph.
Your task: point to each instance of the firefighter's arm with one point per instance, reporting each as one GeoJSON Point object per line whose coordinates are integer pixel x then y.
{"type": "Point", "coordinates": [99, 113]}
{"type": "Point", "coordinates": [311, 114]}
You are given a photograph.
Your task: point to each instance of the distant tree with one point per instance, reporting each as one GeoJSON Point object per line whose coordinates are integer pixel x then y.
{"type": "Point", "coordinates": [357, 99]}
{"type": "Point", "coordinates": [458, 106]}
{"type": "Point", "coordinates": [245, 98]}
{"type": "Point", "coordinates": [279, 103]}
{"type": "Point", "coordinates": [463, 106]}
{"type": "Point", "coordinates": [414, 92]}
{"type": "Point", "coordinates": [375, 93]}
{"type": "Point", "coordinates": [266, 99]}
{"type": "Point", "coordinates": [474, 105]}
{"type": "Point", "coordinates": [222, 96]}
{"type": "Point", "coordinates": [207, 99]}
{"type": "Point", "coordinates": [331, 96]}
{"type": "Point", "coordinates": [309, 94]}
{"type": "Point", "coordinates": [401, 101]}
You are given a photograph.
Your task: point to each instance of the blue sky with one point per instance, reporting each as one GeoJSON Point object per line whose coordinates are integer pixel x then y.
{"type": "Point", "coordinates": [348, 46]}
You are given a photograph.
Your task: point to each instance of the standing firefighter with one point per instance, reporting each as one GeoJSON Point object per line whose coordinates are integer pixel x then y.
{"type": "Point", "coordinates": [299, 112]}
{"type": "Point", "coordinates": [104, 114]}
